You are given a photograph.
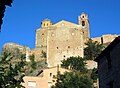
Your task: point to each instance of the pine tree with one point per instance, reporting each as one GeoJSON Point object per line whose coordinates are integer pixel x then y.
{"type": "Point", "coordinates": [11, 74]}
{"type": "Point", "coordinates": [92, 50]}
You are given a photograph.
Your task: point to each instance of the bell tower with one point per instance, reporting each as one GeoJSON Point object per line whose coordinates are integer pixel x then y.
{"type": "Point", "coordinates": [84, 22]}
{"type": "Point", "coordinates": [46, 23]}
{"type": "Point", "coordinates": [41, 33]}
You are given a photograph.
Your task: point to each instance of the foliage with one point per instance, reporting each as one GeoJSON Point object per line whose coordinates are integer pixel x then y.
{"type": "Point", "coordinates": [14, 52]}
{"type": "Point", "coordinates": [44, 55]}
{"type": "Point", "coordinates": [74, 63]}
{"type": "Point", "coordinates": [33, 63]}
{"type": "Point", "coordinates": [94, 74]}
{"type": "Point", "coordinates": [33, 71]}
{"type": "Point", "coordinates": [11, 75]}
{"type": "Point", "coordinates": [72, 80]}
{"type": "Point", "coordinates": [81, 77]}
{"type": "Point", "coordinates": [92, 50]}
{"type": "Point", "coordinates": [31, 68]}
{"type": "Point", "coordinates": [3, 4]}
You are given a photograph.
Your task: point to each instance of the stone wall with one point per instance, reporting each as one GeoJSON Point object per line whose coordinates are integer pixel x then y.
{"type": "Point", "coordinates": [44, 81]}
{"type": "Point", "coordinates": [41, 37]}
{"type": "Point", "coordinates": [106, 38]}
{"type": "Point", "coordinates": [63, 43]}
{"type": "Point", "coordinates": [61, 40]}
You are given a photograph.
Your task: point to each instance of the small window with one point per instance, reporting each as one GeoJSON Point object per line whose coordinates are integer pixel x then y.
{"type": "Point", "coordinates": [50, 74]}
{"type": "Point", "coordinates": [44, 24]}
{"type": "Point", "coordinates": [54, 76]}
{"type": "Point", "coordinates": [57, 47]}
{"type": "Point", "coordinates": [83, 23]}
{"type": "Point", "coordinates": [64, 56]}
{"type": "Point", "coordinates": [101, 40]}
{"type": "Point", "coordinates": [31, 83]}
{"type": "Point", "coordinates": [68, 46]}
{"type": "Point", "coordinates": [42, 33]}
{"type": "Point", "coordinates": [82, 16]}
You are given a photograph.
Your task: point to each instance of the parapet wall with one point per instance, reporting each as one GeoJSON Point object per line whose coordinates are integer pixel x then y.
{"type": "Point", "coordinates": [107, 38]}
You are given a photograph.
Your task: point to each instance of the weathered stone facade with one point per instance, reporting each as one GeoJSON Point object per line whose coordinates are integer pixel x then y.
{"type": "Point", "coordinates": [104, 39]}
{"type": "Point", "coordinates": [62, 40]}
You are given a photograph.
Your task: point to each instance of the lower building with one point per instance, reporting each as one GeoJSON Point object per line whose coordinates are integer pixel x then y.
{"type": "Point", "coordinates": [44, 79]}
{"type": "Point", "coordinates": [109, 65]}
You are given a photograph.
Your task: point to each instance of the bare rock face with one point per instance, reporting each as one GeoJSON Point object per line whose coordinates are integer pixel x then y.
{"type": "Point", "coordinates": [15, 49]}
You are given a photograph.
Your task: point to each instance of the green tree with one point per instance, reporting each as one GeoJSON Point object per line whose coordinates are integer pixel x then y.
{"type": "Point", "coordinates": [94, 74]}
{"type": "Point", "coordinates": [92, 50]}
{"type": "Point", "coordinates": [33, 63]}
{"type": "Point", "coordinates": [72, 80]}
{"type": "Point", "coordinates": [74, 63]}
{"type": "Point", "coordinates": [11, 75]}
{"type": "Point", "coordinates": [33, 67]}
{"type": "Point", "coordinates": [43, 54]}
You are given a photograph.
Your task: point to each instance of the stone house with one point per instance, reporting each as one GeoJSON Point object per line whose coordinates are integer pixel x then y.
{"type": "Point", "coordinates": [109, 65]}
{"type": "Point", "coordinates": [44, 79]}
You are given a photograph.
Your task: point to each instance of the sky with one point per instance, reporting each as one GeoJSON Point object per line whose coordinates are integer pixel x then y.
{"type": "Point", "coordinates": [25, 16]}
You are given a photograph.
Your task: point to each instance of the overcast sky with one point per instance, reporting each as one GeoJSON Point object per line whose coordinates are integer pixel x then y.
{"type": "Point", "coordinates": [25, 17]}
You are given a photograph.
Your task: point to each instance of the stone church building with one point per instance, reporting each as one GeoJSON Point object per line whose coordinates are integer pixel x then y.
{"type": "Point", "coordinates": [61, 40]}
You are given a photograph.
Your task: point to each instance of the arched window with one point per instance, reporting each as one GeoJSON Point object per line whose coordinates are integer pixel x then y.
{"type": "Point", "coordinates": [83, 23]}
{"type": "Point", "coordinates": [44, 24]}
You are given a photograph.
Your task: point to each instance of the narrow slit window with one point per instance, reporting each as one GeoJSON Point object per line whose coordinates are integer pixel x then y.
{"type": "Point", "coordinates": [68, 46]}
{"type": "Point", "coordinates": [83, 23]}
{"type": "Point", "coordinates": [50, 74]}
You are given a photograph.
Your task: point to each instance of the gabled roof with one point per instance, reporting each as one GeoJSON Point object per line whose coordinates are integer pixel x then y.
{"type": "Point", "coordinates": [65, 23]}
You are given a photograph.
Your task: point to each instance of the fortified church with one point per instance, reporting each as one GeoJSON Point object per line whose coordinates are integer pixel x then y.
{"type": "Point", "coordinates": [61, 40]}
{"type": "Point", "coordinates": [55, 42]}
